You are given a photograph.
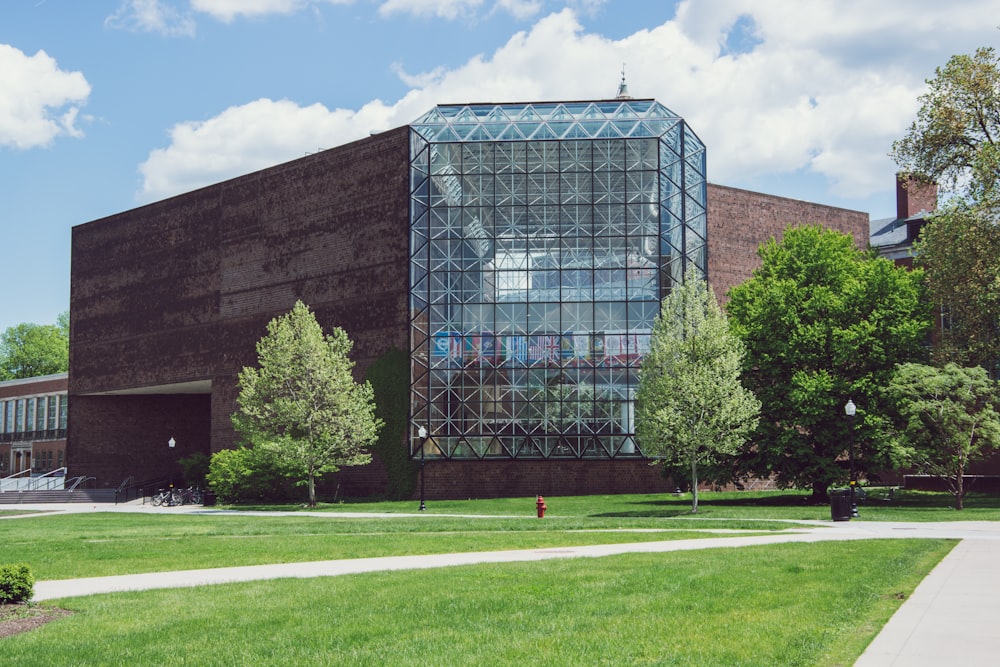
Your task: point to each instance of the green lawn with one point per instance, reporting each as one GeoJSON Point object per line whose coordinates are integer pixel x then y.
{"type": "Point", "coordinates": [104, 543]}
{"type": "Point", "coordinates": [792, 604]}
{"type": "Point", "coordinates": [749, 505]}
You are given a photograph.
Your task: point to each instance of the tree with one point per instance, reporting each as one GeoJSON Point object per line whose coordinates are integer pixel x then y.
{"type": "Point", "coordinates": [303, 403]}
{"type": "Point", "coordinates": [690, 406]}
{"type": "Point", "coordinates": [823, 322]}
{"type": "Point", "coordinates": [954, 140]}
{"type": "Point", "coordinates": [960, 254]}
{"type": "Point", "coordinates": [949, 419]}
{"type": "Point", "coordinates": [29, 350]}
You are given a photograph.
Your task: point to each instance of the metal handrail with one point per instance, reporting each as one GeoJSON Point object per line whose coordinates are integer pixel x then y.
{"type": "Point", "coordinates": [77, 481]}
{"type": "Point", "coordinates": [37, 481]}
{"type": "Point", "coordinates": [124, 486]}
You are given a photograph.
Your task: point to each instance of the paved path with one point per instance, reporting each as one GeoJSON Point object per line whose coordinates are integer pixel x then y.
{"type": "Point", "coordinates": [953, 617]}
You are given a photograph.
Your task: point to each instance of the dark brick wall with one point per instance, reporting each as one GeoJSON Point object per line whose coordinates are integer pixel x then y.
{"type": "Point", "coordinates": [492, 479]}
{"type": "Point", "coordinates": [112, 437]}
{"type": "Point", "coordinates": [740, 221]}
{"type": "Point", "coordinates": [181, 290]}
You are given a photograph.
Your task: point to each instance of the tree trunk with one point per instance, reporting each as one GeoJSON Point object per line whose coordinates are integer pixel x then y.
{"type": "Point", "coordinates": [312, 490]}
{"type": "Point", "coordinates": [959, 488]}
{"type": "Point", "coordinates": [694, 485]}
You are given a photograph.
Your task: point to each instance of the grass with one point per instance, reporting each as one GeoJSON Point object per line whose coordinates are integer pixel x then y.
{"type": "Point", "coordinates": [99, 544]}
{"type": "Point", "coordinates": [791, 604]}
{"type": "Point", "coordinates": [737, 505]}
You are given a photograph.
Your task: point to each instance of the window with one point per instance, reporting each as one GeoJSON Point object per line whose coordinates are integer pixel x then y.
{"type": "Point", "coordinates": [538, 262]}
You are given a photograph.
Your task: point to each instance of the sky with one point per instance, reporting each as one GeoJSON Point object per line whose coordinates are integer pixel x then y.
{"type": "Point", "coordinates": [106, 105]}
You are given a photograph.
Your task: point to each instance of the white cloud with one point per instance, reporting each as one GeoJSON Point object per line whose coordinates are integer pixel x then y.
{"type": "Point", "coordinates": [446, 9]}
{"type": "Point", "coordinates": [228, 10]}
{"type": "Point", "coordinates": [38, 101]}
{"type": "Point", "coordinates": [520, 9]}
{"type": "Point", "coordinates": [822, 88]}
{"type": "Point", "coordinates": [246, 138]}
{"type": "Point", "coordinates": [151, 16]}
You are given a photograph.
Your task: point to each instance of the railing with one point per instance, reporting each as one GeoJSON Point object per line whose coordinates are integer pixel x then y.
{"type": "Point", "coordinates": [77, 481]}
{"type": "Point", "coordinates": [34, 436]}
{"type": "Point", "coordinates": [54, 480]}
{"type": "Point", "coordinates": [148, 489]}
{"type": "Point", "coordinates": [15, 482]}
{"type": "Point", "coordinates": [122, 492]}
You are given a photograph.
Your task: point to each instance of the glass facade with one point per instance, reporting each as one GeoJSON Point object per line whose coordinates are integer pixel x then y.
{"type": "Point", "coordinates": [542, 237]}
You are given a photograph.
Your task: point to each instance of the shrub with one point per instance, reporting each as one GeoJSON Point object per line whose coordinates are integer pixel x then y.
{"type": "Point", "coordinates": [195, 468]}
{"type": "Point", "coordinates": [247, 473]}
{"type": "Point", "coordinates": [16, 583]}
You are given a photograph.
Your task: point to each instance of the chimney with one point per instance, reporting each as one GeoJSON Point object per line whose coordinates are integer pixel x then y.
{"type": "Point", "coordinates": [914, 195]}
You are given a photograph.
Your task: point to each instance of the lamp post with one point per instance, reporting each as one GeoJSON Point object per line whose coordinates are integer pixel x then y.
{"type": "Point", "coordinates": [422, 434]}
{"type": "Point", "coordinates": [850, 410]}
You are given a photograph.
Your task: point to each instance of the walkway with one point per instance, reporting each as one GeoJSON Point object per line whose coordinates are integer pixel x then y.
{"type": "Point", "coordinates": [951, 618]}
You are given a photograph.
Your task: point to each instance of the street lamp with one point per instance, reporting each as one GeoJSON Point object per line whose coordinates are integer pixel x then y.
{"type": "Point", "coordinates": [171, 443]}
{"type": "Point", "coordinates": [422, 434]}
{"type": "Point", "coordinates": [850, 410]}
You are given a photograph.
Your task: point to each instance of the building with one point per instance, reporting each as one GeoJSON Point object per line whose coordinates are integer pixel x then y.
{"type": "Point", "coordinates": [516, 252]}
{"type": "Point", "coordinates": [894, 237]}
{"type": "Point", "coordinates": [33, 425]}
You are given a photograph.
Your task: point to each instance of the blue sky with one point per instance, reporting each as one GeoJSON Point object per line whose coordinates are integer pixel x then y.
{"type": "Point", "coordinates": [109, 104]}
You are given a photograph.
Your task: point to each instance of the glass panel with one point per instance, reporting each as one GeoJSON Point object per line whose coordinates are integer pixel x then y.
{"type": "Point", "coordinates": [537, 267]}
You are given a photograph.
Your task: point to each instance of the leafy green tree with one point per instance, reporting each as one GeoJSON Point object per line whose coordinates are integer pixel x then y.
{"type": "Point", "coordinates": [823, 322]}
{"type": "Point", "coordinates": [303, 403]}
{"type": "Point", "coordinates": [954, 140]}
{"type": "Point", "coordinates": [29, 350]}
{"type": "Point", "coordinates": [691, 407]}
{"type": "Point", "coordinates": [949, 419]}
{"type": "Point", "coordinates": [960, 254]}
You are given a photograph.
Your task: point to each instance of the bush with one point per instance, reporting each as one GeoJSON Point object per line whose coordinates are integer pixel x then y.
{"type": "Point", "coordinates": [17, 584]}
{"type": "Point", "coordinates": [246, 474]}
{"type": "Point", "coordinates": [195, 468]}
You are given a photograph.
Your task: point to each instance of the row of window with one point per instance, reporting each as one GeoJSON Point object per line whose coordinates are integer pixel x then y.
{"type": "Point", "coordinates": [33, 414]}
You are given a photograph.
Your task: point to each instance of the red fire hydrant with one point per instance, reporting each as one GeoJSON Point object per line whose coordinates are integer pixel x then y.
{"type": "Point", "coordinates": [540, 506]}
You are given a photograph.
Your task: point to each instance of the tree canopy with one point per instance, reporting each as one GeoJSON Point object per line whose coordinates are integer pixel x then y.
{"type": "Point", "coordinates": [949, 418]}
{"type": "Point", "coordinates": [303, 402]}
{"type": "Point", "coordinates": [823, 321]}
{"type": "Point", "coordinates": [954, 140]}
{"type": "Point", "coordinates": [690, 406]}
{"type": "Point", "coordinates": [960, 254]}
{"type": "Point", "coordinates": [29, 350]}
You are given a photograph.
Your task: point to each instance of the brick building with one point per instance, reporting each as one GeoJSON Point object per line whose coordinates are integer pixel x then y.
{"type": "Point", "coordinates": [33, 425]}
{"type": "Point", "coordinates": [517, 252]}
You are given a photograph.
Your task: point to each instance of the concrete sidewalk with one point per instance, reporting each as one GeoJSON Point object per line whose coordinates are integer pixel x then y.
{"type": "Point", "coordinates": [953, 617]}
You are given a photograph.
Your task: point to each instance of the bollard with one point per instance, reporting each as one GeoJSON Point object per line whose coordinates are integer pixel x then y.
{"type": "Point", "coordinates": [540, 506]}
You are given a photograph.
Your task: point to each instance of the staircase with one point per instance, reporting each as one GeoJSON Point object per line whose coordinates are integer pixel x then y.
{"type": "Point", "coordinates": [76, 496]}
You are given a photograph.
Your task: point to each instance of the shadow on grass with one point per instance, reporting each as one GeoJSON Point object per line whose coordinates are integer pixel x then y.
{"type": "Point", "coordinates": [678, 506]}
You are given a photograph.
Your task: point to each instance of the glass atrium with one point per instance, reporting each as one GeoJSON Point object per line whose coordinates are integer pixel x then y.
{"type": "Point", "coordinates": [542, 238]}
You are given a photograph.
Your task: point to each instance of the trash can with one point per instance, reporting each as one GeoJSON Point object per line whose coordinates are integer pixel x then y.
{"type": "Point", "coordinates": [840, 504]}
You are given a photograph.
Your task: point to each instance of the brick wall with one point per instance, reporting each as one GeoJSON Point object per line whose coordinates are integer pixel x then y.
{"type": "Point", "coordinates": [740, 221]}
{"type": "Point", "coordinates": [492, 479]}
{"type": "Point", "coordinates": [181, 290]}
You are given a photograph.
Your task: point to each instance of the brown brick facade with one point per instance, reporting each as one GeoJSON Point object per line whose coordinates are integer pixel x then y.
{"type": "Point", "coordinates": [740, 221]}
{"type": "Point", "coordinates": [171, 298]}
